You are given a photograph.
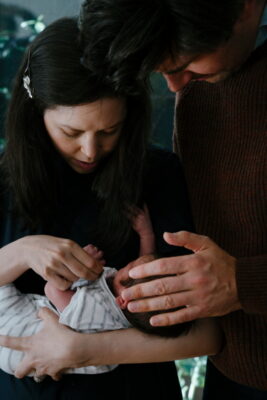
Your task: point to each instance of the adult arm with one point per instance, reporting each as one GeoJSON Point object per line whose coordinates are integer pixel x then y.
{"type": "Point", "coordinates": [251, 278]}
{"type": "Point", "coordinates": [76, 350]}
{"type": "Point", "coordinates": [60, 261]}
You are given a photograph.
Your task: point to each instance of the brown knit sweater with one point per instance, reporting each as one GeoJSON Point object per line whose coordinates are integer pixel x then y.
{"type": "Point", "coordinates": [221, 136]}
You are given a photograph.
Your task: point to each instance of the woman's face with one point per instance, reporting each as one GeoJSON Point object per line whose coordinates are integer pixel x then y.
{"type": "Point", "coordinates": [85, 134]}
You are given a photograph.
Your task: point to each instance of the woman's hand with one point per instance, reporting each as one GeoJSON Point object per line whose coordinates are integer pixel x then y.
{"type": "Point", "coordinates": [40, 356]}
{"type": "Point", "coordinates": [59, 261]}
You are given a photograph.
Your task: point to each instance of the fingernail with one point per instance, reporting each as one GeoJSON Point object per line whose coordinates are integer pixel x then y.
{"type": "Point", "coordinates": [133, 274]}
{"type": "Point", "coordinates": [154, 321]}
{"type": "Point", "coordinates": [133, 307]}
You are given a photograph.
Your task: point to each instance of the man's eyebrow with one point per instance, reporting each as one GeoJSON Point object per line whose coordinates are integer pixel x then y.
{"type": "Point", "coordinates": [178, 69]}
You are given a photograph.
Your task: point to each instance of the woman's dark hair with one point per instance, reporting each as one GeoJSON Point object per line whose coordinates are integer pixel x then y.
{"type": "Point", "coordinates": [141, 320]}
{"type": "Point", "coordinates": [57, 77]}
{"type": "Point", "coordinates": [126, 39]}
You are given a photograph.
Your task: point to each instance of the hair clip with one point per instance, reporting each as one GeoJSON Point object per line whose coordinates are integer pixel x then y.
{"type": "Point", "coordinates": [26, 78]}
{"type": "Point", "coordinates": [26, 84]}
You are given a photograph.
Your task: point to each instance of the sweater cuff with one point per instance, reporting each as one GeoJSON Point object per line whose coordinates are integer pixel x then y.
{"type": "Point", "coordinates": [251, 276]}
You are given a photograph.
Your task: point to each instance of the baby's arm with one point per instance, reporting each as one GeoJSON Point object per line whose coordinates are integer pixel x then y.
{"type": "Point", "coordinates": [59, 298]}
{"type": "Point", "coordinates": [141, 223]}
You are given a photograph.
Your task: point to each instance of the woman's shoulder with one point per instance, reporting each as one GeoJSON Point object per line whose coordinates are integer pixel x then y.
{"type": "Point", "coordinates": [163, 164]}
{"type": "Point", "coordinates": [158, 155]}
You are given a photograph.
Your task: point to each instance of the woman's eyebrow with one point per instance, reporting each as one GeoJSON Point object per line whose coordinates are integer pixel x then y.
{"type": "Point", "coordinates": [117, 124]}
{"type": "Point", "coordinates": [71, 127]}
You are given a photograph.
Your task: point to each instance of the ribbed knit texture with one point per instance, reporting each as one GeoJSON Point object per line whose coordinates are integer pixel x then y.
{"type": "Point", "coordinates": [221, 136]}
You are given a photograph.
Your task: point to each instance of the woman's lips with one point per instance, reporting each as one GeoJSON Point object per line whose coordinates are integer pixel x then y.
{"type": "Point", "coordinates": [84, 165]}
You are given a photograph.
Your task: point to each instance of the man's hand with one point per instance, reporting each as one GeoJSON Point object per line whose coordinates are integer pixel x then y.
{"type": "Point", "coordinates": [124, 275]}
{"type": "Point", "coordinates": [49, 352]}
{"type": "Point", "coordinates": [203, 282]}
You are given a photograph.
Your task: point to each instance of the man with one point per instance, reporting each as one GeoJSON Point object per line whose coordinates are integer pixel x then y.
{"type": "Point", "coordinates": [214, 55]}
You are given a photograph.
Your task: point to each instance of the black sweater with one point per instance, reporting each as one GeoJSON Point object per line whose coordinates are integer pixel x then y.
{"type": "Point", "coordinates": [165, 195]}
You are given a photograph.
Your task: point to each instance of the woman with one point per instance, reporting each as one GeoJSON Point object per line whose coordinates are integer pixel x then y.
{"type": "Point", "coordinates": [74, 167]}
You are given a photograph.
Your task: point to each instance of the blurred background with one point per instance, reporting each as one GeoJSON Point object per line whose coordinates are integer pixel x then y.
{"type": "Point", "coordinates": [20, 22]}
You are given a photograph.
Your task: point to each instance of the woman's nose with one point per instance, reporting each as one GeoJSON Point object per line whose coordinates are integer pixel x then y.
{"type": "Point", "coordinates": [178, 81]}
{"type": "Point", "coordinates": [89, 147]}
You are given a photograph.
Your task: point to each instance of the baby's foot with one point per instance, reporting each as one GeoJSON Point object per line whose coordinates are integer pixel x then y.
{"type": "Point", "coordinates": [95, 252]}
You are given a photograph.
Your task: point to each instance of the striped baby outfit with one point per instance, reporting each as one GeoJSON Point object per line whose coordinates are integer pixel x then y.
{"type": "Point", "coordinates": [91, 309]}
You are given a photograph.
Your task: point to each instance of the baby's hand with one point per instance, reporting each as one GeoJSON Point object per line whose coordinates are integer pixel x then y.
{"type": "Point", "coordinates": [95, 252]}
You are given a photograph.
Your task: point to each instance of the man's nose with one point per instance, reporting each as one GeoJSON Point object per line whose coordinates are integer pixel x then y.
{"type": "Point", "coordinates": [178, 81]}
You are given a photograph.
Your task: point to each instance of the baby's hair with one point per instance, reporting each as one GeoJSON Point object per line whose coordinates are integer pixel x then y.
{"type": "Point", "coordinates": [141, 320]}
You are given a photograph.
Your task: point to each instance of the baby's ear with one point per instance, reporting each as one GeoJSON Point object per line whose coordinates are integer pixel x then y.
{"type": "Point", "coordinates": [121, 303]}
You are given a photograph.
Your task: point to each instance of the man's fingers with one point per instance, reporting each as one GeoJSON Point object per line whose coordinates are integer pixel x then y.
{"type": "Point", "coordinates": [156, 287]}
{"type": "Point", "coordinates": [160, 303]}
{"type": "Point", "coordinates": [176, 317]}
{"type": "Point", "coordinates": [189, 240]}
{"type": "Point", "coordinates": [15, 343]}
{"type": "Point", "coordinates": [162, 266]}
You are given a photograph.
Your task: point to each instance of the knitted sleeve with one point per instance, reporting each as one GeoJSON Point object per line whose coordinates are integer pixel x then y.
{"type": "Point", "coordinates": [252, 284]}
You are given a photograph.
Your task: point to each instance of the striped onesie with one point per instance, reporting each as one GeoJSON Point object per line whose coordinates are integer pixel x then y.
{"type": "Point", "coordinates": [91, 309]}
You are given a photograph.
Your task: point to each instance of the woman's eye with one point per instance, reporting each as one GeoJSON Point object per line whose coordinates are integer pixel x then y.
{"type": "Point", "coordinates": [70, 134]}
{"type": "Point", "coordinates": [108, 133]}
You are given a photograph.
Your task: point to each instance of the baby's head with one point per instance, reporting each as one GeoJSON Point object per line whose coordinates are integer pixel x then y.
{"type": "Point", "coordinates": [141, 320]}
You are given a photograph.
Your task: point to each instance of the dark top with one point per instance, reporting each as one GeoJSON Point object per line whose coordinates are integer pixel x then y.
{"type": "Point", "coordinates": [165, 195]}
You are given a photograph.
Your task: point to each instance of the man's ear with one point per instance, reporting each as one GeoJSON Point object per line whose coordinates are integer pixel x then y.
{"type": "Point", "coordinates": [249, 10]}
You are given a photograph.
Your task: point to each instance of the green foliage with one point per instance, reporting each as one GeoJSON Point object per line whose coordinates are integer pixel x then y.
{"type": "Point", "coordinates": [1, 144]}
{"type": "Point", "coordinates": [191, 373]}
{"type": "Point", "coordinates": [10, 42]}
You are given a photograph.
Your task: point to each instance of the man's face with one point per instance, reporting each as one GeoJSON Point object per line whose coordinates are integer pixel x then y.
{"type": "Point", "coordinates": [211, 67]}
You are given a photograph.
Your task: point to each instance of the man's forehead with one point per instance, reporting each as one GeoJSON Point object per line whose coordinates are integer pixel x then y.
{"type": "Point", "coordinates": [171, 65]}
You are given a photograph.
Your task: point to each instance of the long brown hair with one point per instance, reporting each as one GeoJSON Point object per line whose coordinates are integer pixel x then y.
{"type": "Point", "coordinates": [57, 77]}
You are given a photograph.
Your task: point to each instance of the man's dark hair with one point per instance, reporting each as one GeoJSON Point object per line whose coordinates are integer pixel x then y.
{"type": "Point", "coordinates": [141, 320]}
{"type": "Point", "coordinates": [126, 39]}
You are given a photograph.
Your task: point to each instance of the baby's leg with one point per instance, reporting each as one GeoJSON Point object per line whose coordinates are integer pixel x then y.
{"type": "Point", "coordinates": [142, 224]}
{"type": "Point", "coordinates": [59, 298]}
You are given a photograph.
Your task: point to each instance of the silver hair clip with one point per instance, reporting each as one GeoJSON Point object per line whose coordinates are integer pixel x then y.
{"type": "Point", "coordinates": [26, 78]}
{"type": "Point", "coordinates": [26, 84]}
